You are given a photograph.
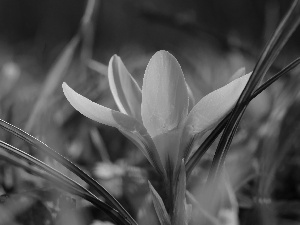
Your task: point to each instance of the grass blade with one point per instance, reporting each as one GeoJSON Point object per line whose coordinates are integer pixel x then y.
{"type": "Point", "coordinates": [272, 49]}
{"type": "Point", "coordinates": [98, 67]}
{"type": "Point", "coordinates": [38, 145]}
{"type": "Point", "coordinates": [53, 80]}
{"type": "Point", "coordinates": [55, 76]}
{"type": "Point", "coordinates": [41, 169]}
{"type": "Point", "coordinates": [195, 158]}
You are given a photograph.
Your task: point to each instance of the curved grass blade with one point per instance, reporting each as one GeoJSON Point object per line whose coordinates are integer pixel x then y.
{"type": "Point", "coordinates": [272, 49]}
{"type": "Point", "coordinates": [195, 158]}
{"type": "Point", "coordinates": [54, 77]}
{"type": "Point", "coordinates": [38, 145]}
{"type": "Point", "coordinates": [98, 67]}
{"type": "Point", "coordinates": [63, 184]}
{"type": "Point", "coordinates": [18, 153]}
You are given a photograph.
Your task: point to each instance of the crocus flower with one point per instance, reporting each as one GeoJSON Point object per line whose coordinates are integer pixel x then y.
{"type": "Point", "coordinates": [156, 117]}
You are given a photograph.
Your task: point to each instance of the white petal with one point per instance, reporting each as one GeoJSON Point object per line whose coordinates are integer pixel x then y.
{"type": "Point", "coordinates": [211, 109]}
{"type": "Point", "coordinates": [125, 90]}
{"type": "Point", "coordinates": [126, 124]}
{"type": "Point", "coordinates": [164, 94]}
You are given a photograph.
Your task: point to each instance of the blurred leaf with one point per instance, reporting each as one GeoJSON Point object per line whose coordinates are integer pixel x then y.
{"type": "Point", "coordinates": [146, 214]}
{"type": "Point", "coordinates": [9, 74]}
{"type": "Point", "coordinates": [99, 144]}
{"type": "Point", "coordinates": [159, 206]}
{"type": "Point", "coordinates": [25, 209]}
{"type": "Point", "coordinates": [98, 67]}
{"type": "Point", "coordinates": [54, 78]}
{"type": "Point", "coordinates": [197, 206]}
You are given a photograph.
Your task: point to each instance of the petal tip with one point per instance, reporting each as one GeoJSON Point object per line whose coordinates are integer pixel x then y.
{"type": "Point", "coordinates": [64, 86]}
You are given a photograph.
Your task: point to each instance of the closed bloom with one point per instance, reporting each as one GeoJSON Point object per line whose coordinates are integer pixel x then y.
{"type": "Point", "coordinates": [156, 117]}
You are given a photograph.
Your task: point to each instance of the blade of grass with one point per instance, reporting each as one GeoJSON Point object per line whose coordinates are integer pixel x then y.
{"type": "Point", "coordinates": [38, 145]}
{"type": "Point", "coordinates": [54, 78]}
{"type": "Point", "coordinates": [195, 158]}
{"type": "Point", "coordinates": [98, 67]}
{"type": "Point", "coordinates": [272, 49]}
{"type": "Point", "coordinates": [99, 144]}
{"type": "Point", "coordinates": [87, 33]}
{"type": "Point", "coordinates": [62, 183]}
{"type": "Point", "coordinates": [41, 165]}
{"type": "Point", "coordinates": [58, 71]}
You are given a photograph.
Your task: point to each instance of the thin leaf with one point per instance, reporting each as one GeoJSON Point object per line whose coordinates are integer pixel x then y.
{"type": "Point", "coordinates": [127, 124]}
{"type": "Point", "coordinates": [54, 78]}
{"type": "Point", "coordinates": [164, 94]}
{"type": "Point", "coordinates": [180, 214]}
{"type": "Point", "coordinates": [86, 32]}
{"type": "Point", "coordinates": [99, 144]}
{"type": "Point", "coordinates": [65, 184]}
{"type": "Point", "coordinates": [272, 49]}
{"type": "Point", "coordinates": [210, 110]}
{"type": "Point", "coordinates": [125, 90]}
{"type": "Point", "coordinates": [195, 158]}
{"type": "Point", "coordinates": [98, 67]}
{"type": "Point", "coordinates": [16, 152]}
{"type": "Point", "coordinates": [37, 144]}
{"type": "Point", "coordinates": [159, 206]}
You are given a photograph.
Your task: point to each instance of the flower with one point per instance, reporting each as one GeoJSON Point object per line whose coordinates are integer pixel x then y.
{"type": "Point", "coordinates": [156, 117]}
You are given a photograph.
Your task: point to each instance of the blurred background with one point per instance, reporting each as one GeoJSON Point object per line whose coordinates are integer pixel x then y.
{"type": "Point", "coordinates": [43, 43]}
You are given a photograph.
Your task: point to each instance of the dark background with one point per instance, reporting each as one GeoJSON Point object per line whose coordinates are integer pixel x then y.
{"type": "Point", "coordinates": [41, 28]}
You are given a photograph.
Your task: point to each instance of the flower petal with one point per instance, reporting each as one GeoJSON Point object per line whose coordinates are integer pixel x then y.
{"type": "Point", "coordinates": [126, 124]}
{"type": "Point", "coordinates": [125, 90]}
{"type": "Point", "coordinates": [191, 98]}
{"type": "Point", "coordinates": [210, 110]}
{"type": "Point", "coordinates": [167, 145]}
{"type": "Point", "coordinates": [164, 94]}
